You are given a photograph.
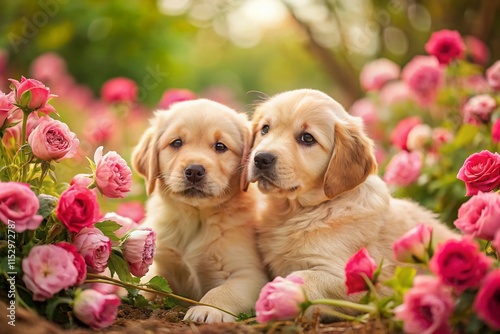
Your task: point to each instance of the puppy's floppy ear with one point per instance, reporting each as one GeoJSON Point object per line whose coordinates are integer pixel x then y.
{"type": "Point", "coordinates": [145, 159]}
{"type": "Point", "coordinates": [352, 159]}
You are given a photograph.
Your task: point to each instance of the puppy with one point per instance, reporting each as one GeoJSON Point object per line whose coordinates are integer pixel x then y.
{"type": "Point", "coordinates": [324, 200]}
{"type": "Point", "coordinates": [191, 157]}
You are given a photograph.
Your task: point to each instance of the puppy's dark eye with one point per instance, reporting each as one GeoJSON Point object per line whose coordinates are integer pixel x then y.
{"type": "Point", "coordinates": [176, 143]}
{"type": "Point", "coordinates": [265, 129]}
{"type": "Point", "coordinates": [307, 138]}
{"type": "Point", "coordinates": [219, 147]}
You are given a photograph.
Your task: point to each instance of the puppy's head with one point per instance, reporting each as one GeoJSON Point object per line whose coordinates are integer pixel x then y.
{"type": "Point", "coordinates": [194, 152]}
{"type": "Point", "coordinates": [306, 145]}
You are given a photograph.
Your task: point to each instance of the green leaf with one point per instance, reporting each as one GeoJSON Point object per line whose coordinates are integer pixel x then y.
{"type": "Point", "coordinates": [92, 165]}
{"type": "Point", "coordinates": [108, 228]}
{"type": "Point", "coordinates": [117, 264]}
{"type": "Point", "coordinates": [159, 283]}
{"type": "Point", "coordinates": [465, 135]}
{"type": "Point", "coordinates": [47, 205]}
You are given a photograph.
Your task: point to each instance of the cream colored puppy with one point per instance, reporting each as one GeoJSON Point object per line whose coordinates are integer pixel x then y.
{"type": "Point", "coordinates": [324, 200]}
{"type": "Point", "coordinates": [191, 157]}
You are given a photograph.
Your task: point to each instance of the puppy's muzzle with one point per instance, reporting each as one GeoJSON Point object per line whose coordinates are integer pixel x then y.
{"type": "Point", "coordinates": [194, 173]}
{"type": "Point", "coordinates": [264, 160]}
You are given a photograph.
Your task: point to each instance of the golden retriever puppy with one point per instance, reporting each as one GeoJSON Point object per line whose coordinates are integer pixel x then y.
{"type": "Point", "coordinates": [191, 157]}
{"type": "Point", "coordinates": [324, 200]}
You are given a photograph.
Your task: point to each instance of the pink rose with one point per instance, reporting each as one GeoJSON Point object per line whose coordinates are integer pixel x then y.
{"type": "Point", "coordinates": [495, 131]}
{"type": "Point", "coordinates": [365, 109]}
{"type": "Point", "coordinates": [174, 95]}
{"type": "Point", "coordinates": [52, 140]}
{"type": "Point", "coordinates": [419, 137]}
{"type": "Point", "coordinates": [460, 263]}
{"type": "Point", "coordinates": [474, 84]}
{"type": "Point", "coordinates": [132, 210]}
{"type": "Point", "coordinates": [399, 136]}
{"type": "Point", "coordinates": [139, 250]}
{"type": "Point", "coordinates": [424, 76]}
{"type": "Point", "coordinates": [19, 205]}
{"type": "Point", "coordinates": [77, 208]}
{"type": "Point", "coordinates": [496, 242]}
{"type": "Point", "coordinates": [6, 106]}
{"type": "Point", "coordinates": [446, 45]}
{"type": "Point", "coordinates": [426, 307]}
{"type": "Point", "coordinates": [480, 216]}
{"type": "Point", "coordinates": [82, 180]}
{"type": "Point", "coordinates": [403, 169]}
{"type": "Point", "coordinates": [395, 92]}
{"type": "Point", "coordinates": [376, 73]}
{"type": "Point", "coordinates": [95, 248]}
{"type": "Point", "coordinates": [78, 261]}
{"type": "Point", "coordinates": [414, 245]}
{"type": "Point", "coordinates": [49, 67]}
{"type": "Point", "coordinates": [479, 108]}
{"type": "Point", "coordinates": [487, 303]}
{"type": "Point", "coordinates": [100, 129]}
{"type": "Point", "coordinates": [96, 309]}
{"type": "Point", "coordinates": [33, 95]}
{"type": "Point", "coordinates": [440, 136]}
{"type": "Point", "coordinates": [280, 299]}
{"type": "Point", "coordinates": [359, 265]}
{"type": "Point", "coordinates": [477, 50]}
{"type": "Point", "coordinates": [493, 75]}
{"type": "Point", "coordinates": [480, 172]}
{"type": "Point", "coordinates": [119, 90]}
{"type": "Point", "coordinates": [112, 175]}
{"type": "Point", "coordinates": [126, 223]}
{"type": "Point", "coordinates": [48, 269]}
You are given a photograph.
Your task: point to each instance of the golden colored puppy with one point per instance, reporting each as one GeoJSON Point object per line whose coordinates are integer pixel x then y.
{"type": "Point", "coordinates": [324, 200]}
{"type": "Point", "coordinates": [191, 158]}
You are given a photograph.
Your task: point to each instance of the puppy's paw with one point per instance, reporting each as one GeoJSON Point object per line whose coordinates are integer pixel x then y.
{"type": "Point", "coordinates": [207, 314]}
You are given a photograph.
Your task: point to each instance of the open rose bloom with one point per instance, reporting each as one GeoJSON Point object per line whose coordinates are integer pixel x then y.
{"type": "Point", "coordinates": [112, 175]}
{"type": "Point", "coordinates": [95, 309]}
{"type": "Point", "coordinates": [52, 140]}
{"type": "Point", "coordinates": [95, 248]}
{"type": "Point", "coordinates": [480, 172]}
{"type": "Point", "coordinates": [19, 204]}
{"type": "Point", "coordinates": [139, 250]}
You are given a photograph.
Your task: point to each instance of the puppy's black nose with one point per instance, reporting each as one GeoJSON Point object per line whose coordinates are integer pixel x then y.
{"type": "Point", "coordinates": [264, 160]}
{"type": "Point", "coordinates": [194, 173]}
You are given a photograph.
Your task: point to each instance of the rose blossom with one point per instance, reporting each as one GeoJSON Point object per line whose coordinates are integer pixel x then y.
{"type": "Point", "coordinates": [78, 261]}
{"type": "Point", "coordinates": [495, 131]}
{"type": "Point", "coordinates": [426, 307]}
{"type": "Point", "coordinates": [477, 50]}
{"type": "Point", "coordinates": [83, 180]}
{"type": "Point", "coordinates": [493, 75]}
{"type": "Point", "coordinates": [77, 208]}
{"type": "Point", "coordinates": [403, 169]}
{"type": "Point", "coordinates": [424, 76]}
{"type": "Point", "coordinates": [19, 205]}
{"type": "Point", "coordinates": [480, 172]}
{"type": "Point", "coordinates": [365, 109]}
{"type": "Point", "coordinates": [479, 108]}
{"type": "Point", "coordinates": [395, 92]}
{"type": "Point", "coordinates": [48, 269]}
{"type": "Point", "coordinates": [126, 223]}
{"type": "Point", "coordinates": [174, 95]}
{"type": "Point", "coordinates": [414, 245]}
{"type": "Point", "coordinates": [119, 90]}
{"type": "Point", "coordinates": [112, 175]}
{"type": "Point", "coordinates": [460, 263]}
{"type": "Point", "coordinates": [280, 299]}
{"type": "Point", "coordinates": [441, 136]}
{"type": "Point", "coordinates": [139, 250]}
{"type": "Point", "coordinates": [480, 216]}
{"type": "Point", "coordinates": [96, 309]}
{"type": "Point", "coordinates": [133, 210]}
{"type": "Point", "coordinates": [359, 264]}
{"type": "Point", "coordinates": [487, 303]}
{"type": "Point", "coordinates": [446, 45]}
{"type": "Point", "coordinates": [52, 140]}
{"type": "Point", "coordinates": [399, 136]}
{"type": "Point", "coordinates": [377, 72]}
{"type": "Point", "coordinates": [419, 137]}
{"type": "Point", "coordinates": [40, 95]}
{"type": "Point", "coordinates": [95, 248]}
{"type": "Point", "coordinates": [6, 106]}
{"type": "Point", "coordinates": [49, 67]}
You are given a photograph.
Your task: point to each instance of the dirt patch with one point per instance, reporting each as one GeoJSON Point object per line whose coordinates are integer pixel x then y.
{"type": "Point", "coordinates": [132, 320]}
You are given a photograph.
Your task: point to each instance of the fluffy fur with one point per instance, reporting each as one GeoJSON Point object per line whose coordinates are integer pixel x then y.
{"type": "Point", "coordinates": [324, 200]}
{"type": "Point", "coordinates": [205, 225]}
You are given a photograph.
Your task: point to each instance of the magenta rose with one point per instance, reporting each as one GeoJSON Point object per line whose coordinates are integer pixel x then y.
{"type": "Point", "coordinates": [19, 205]}
{"type": "Point", "coordinates": [95, 309]}
{"type": "Point", "coordinates": [48, 269]}
{"type": "Point", "coordinates": [424, 76]}
{"type": "Point", "coordinates": [460, 263]}
{"type": "Point", "coordinates": [31, 94]}
{"type": "Point", "coordinates": [479, 109]}
{"type": "Point", "coordinates": [112, 175]}
{"type": "Point", "coordinates": [487, 303]}
{"type": "Point", "coordinates": [174, 95]}
{"type": "Point", "coordinates": [95, 248]}
{"type": "Point", "coordinates": [280, 299]}
{"type": "Point", "coordinates": [78, 261]}
{"type": "Point", "coordinates": [359, 265]}
{"type": "Point", "coordinates": [480, 172]}
{"type": "Point", "coordinates": [480, 216]}
{"type": "Point", "coordinates": [403, 169]}
{"type": "Point", "coordinates": [493, 75]}
{"type": "Point", "coordinates": [77, 208]}
{"type": "Point", "coordinates": [126, 223]}
{"type": "Point", "coordinates": [426, 307]}
{"type": "Point", "coordinates": [52, 140]}
{"type": "Point", "coordinates": [133, 210]}
{"type": "Point", "coordinates": [119, 90]}
{"type": "Point", "coordinates": [377, 72]}
{"type": "Point", "coordinates": [446, 45]}
{"type": "Point", "coordinates": [399, 136]}
{"type": "Point", "coordinates": [495, 131]}
{"type": "Point", "coordinates": [414, 245]}
{"type": "Point", "coordinates": [139, 250]}
{"type": "Point", "coordinates": [496, 242]}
